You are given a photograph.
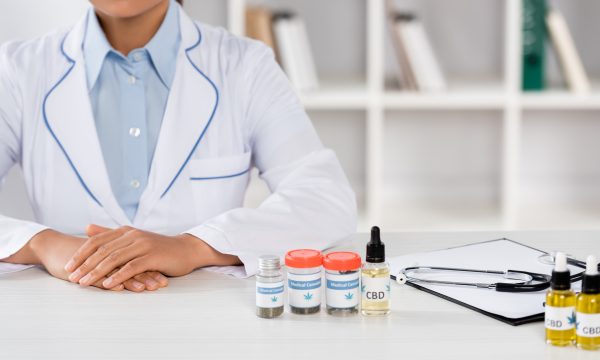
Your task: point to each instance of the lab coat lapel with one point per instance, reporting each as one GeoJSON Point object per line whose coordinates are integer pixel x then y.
{"type": "Point", "coordinates": [192, 104]}
{"type": "Point", "coordinates": [68, 117]}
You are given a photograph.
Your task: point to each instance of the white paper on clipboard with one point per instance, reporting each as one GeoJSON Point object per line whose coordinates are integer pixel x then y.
{"type": "Point", "coordinates": [502, 254]}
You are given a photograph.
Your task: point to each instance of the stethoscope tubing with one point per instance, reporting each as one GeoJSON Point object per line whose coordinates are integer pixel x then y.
{"type": "Point", "coordinates": [526, 284]}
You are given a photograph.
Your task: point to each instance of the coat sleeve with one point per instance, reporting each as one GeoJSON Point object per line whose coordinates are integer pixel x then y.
{"type": "Point", "coordinates": [14, 234]}
{"type": "Point", "coordinates": [311, 204]}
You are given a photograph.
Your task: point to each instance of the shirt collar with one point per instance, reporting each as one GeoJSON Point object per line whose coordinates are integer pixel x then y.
{"type": "Point", "coordinates": [163, 47]}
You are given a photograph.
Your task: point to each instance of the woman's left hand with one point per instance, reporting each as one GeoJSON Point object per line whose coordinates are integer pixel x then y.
{"type": "Point", "coordinates": [134, 251]}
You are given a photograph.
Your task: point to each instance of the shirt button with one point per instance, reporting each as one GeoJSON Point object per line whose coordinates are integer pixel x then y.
{"type": "Point", "coordinates": [135, 184]}
{"type": "Point", "coordinates": [135, 132]}
{"type": "Point", "coordinates": [137, 56]}
{"type": "Point", "coordinates": [131, 80]}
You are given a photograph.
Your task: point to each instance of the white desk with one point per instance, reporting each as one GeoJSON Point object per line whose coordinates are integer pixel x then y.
{"type": "Point", "coordinates": [211, 316]}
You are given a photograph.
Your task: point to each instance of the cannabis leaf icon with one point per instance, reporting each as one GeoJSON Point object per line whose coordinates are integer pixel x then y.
{"type": "Point", "coordinates": [362, 288]}
{"type": "Point", "coordinates": [572, 319]}
{"type": "Point", "coordinates": [274, 299]}
{"type": "Point", "coordinates": [387, 288]}
{"type": "Point", "coordinates": [349, 296]}
{"type": "Point", "coordinates": [308, 296]}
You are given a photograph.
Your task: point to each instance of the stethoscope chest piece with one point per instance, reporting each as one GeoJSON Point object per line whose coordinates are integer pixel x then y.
{"type": "Point", "coordinates": [401, 278]}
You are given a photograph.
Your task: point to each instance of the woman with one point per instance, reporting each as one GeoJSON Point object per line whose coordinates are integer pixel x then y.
{"type": "Point", "coordinates": [146, 123]}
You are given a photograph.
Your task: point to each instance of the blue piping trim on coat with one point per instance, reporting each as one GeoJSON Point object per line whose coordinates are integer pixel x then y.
{"type": "Point", "coordinates": [72, 62]}
{"type": "Point", "coordinates": [211, 116]}
{"type": "Point", "coordinates": [220, 177]}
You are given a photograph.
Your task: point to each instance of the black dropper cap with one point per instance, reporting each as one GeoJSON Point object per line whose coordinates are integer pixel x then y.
{"type": "Point", "coordinates": [591, 284]}
{"type": "Point", "coordinates": [375, 248]}
{"type": "Point", "coordinates": [561, 280]}
{"type": "Point", "coordinates": [561, 276]}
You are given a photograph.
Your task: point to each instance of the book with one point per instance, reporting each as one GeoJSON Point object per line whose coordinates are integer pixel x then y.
{"type": "Point", "coordinates": [259, 25]}
{"type": "Point", "coordinates": [572, 67]}
{"type": "Point", "coordinates": [421, 57]}
{"type": "Point", "coordinates": [406, 77]}
{"type": "Point", "coordinates": [534, 38]}
{"type": "Point", "coordinates": [291, 39]}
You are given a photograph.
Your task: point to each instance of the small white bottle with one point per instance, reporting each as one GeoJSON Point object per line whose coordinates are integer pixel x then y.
{"type": "Point", "coordinates": [269, 287]}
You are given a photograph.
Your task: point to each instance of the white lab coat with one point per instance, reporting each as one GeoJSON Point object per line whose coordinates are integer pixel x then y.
{"type": "Point", "coordinates": [231, 108]}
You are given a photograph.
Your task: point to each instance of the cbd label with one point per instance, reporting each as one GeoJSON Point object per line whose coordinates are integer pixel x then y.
{"type": "Point", "coordinates": [375, 289]}
{"type": "Point", "coordinates": [588, 325]}
{"type": "Point", "coordinates": [560, 318]}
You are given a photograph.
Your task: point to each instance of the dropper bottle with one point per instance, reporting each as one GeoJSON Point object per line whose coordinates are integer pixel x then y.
{"type": "Point", "coordinates": [560, 305]}
{"type": "Point", "coordinates": [588, 308]}
{"type": "Point", "coordinates": [375, 278]}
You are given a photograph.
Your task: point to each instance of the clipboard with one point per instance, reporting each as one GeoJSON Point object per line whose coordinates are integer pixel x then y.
{"type": "Point", "coordinates": [500, 254]}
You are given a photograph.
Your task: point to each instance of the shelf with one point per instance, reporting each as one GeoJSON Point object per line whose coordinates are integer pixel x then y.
{"type": "Point", "coordinates": [465, 95]}
{"type": "Point", "coordinates": [337, 95]}
{"type": "Point", "coordinates": [355, 96]}
{"type": "Point", "coordinates": [559, 99]}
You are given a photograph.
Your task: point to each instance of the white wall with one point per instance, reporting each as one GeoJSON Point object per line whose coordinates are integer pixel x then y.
{"type": "Point", "coordinates": [24, 19]}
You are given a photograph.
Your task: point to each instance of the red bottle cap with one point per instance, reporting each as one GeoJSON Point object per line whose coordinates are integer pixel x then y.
{"type": "Point", "coordinates": [342, 261]}
{"type": "Point", "coordinates": [303, 258]}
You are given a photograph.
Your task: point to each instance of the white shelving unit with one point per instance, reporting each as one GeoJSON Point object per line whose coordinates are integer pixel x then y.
{"type": "Point", "coordinates": [472, 158]}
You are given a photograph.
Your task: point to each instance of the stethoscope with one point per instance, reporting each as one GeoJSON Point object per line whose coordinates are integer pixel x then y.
{"type": "Point", "coordinates": [521, 281]}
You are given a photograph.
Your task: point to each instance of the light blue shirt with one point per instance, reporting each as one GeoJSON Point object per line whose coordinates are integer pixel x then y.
{"type": "Point", "coordinates": [129, 96]}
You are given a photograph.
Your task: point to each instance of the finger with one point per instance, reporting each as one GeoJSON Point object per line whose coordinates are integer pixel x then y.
{"type": "Point", "coordinates": [160, 278]}
{"type": "Point", "coordinates": [103, 252]}
{"type": "Point", "coordinates": [129, 270]}
{"type": "Point", "coordinates": [91, 245]}
{"type": "Point", "coordinates": [148, 280]}
{"type": "Point", "coordinates": [93, 230]}
{"type": "Point", "coordinates": [98, 284]}
{"type": "Point", "coordinates": [134, 285]}
{"type": "Point", "coordinates": [115, 260]}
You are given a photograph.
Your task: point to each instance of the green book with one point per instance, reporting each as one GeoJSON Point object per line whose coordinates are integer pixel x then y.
{"type": "Point", "coordinates": [534, 37]}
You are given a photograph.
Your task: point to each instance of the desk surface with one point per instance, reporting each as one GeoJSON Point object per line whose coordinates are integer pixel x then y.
{"type": "Point", "coordinates": [211, 316]}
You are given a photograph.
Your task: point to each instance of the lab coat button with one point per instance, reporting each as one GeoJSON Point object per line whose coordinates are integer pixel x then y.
{"type": "Point", "coordinates": [135, 132]}
{"type": "Point", "coordinates": [135, 184]}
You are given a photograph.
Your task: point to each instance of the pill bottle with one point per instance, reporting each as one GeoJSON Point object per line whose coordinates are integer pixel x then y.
{"type": "Point", "coordinates": [304, 268]}
{"type": "Point", "coordinates": [342, 276]}
{"type": "Point", "coordinates": [269, 287]}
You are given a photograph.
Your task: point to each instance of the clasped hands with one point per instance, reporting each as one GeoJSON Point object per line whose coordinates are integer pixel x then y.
{"type": "Point", "coordinates": [132, 258]}
{"type": "Point", "coordinates": [124, 258]}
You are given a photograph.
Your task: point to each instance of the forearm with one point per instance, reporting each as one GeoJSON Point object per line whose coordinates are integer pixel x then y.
{"type": "Point", "coordinates": [205, 255]}
{"type": "Point", "coordinates": [29, 254]}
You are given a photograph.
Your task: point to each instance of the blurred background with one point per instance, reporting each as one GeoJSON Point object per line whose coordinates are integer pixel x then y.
{"type": "Point", "coordinates": [446, 115]}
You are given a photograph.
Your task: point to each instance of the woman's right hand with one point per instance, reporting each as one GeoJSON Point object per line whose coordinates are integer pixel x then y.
{"type": "Point", "coordinates": [53, 249]}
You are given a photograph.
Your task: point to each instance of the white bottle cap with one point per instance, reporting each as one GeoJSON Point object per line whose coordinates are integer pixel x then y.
{"type": "Point", "coordinates": [560, 262]}
{"type": "Point", "coordinates": [591, 265]}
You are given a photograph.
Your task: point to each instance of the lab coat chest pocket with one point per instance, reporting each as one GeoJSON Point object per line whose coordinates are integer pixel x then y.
{"type": "Point", "coordinates": [219, 184]}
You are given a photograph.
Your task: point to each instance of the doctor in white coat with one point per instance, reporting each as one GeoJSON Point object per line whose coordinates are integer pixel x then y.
{"type": "Point", "coordinates": [146, 123]}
